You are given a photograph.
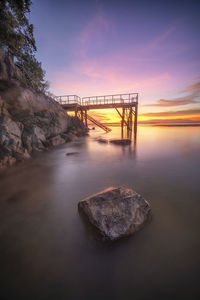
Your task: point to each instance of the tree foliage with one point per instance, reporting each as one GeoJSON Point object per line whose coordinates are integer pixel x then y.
{"type": "Point", "coordinates": [17, 39]}
{"type": "Point", "coordinates": [33, 74]}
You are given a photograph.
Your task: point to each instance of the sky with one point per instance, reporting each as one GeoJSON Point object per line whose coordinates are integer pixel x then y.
{"type": "Point", "coordinates": [100, 47]}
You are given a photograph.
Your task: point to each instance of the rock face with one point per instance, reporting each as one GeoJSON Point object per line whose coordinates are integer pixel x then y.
{"type": "Point", "coordinates": [29, 121]}
{"type": "Point", "coordinates": [116, 212]}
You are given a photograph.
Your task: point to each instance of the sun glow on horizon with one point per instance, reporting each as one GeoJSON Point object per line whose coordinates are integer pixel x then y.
{"type": "Point", "coordinates": [110, 52]}
{"type": "Point", "coordinates": [110, 116]}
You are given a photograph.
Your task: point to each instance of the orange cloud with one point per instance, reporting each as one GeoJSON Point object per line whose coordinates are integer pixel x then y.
{"type": "Point", "coordinates": [169, 121]}
{"type": "Point", "coordinates": [194, 88]}
{"type": "Point", "coordinates": [183, 113]}
{"type": "Point", "coordinates": [194, 91]}
{"type": "Point", "coordinates": [174, 102]}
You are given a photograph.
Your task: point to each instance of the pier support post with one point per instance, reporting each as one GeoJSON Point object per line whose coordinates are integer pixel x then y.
{"type": "Point", "coordinates": [82, 116]}
{"type": "Point", "coordinates": [76, 111]}
{"type": "Point", "coordinates": [130, 123]}
{"type": "Point", "coordinates": [135, 120]}
{"type": "Point", "coordinates": [86, 124]}
{"type": "Point", "coordinates": [122, 123]}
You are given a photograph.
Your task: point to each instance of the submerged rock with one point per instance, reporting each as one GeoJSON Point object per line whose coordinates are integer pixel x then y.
{"type": "Point", "coordinates": [103, 141]}
{"type": "Point", "coordinates": [121, 142]}
{"type": "Point", "coordinates": [116, 212]}
{"type": "Point", "coordinates": [72, 153]}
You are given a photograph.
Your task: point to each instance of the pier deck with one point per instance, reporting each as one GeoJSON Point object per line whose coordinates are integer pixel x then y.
{"type": "Point", "coordinates": [128, 103]}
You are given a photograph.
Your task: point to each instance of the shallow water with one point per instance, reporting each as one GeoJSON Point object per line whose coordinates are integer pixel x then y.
{"type": "Point", "coordinates": [46, 251]}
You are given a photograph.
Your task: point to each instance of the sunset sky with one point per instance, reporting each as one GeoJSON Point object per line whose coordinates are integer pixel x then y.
{"type": "Point", "coordinates": [108, 46]}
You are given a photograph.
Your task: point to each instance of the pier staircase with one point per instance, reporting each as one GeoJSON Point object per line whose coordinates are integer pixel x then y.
{"type": "Point", "coordinates": [97, 123]}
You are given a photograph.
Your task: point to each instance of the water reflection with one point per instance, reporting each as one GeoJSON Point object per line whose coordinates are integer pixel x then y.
{"type": "Point", "coordinates": [103, 138]}
{"type": "Point", "coordinates": [127, 133]}
{"type": "Point", "coordinates": [46, 253]}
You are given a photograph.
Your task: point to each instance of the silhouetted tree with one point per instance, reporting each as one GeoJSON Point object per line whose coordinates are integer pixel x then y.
{"type": "Point", "coordinates": [17, 39]}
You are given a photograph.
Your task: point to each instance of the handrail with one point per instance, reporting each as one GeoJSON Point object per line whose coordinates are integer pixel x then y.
{"type": "Point", "coordinates": [113, 95]}
{"type": "Point", "coordinates": [96, 100]}
{"type": "Point", "coordinates": [68, 99]}
{"type": "Point", "coordinates": [111, 99]}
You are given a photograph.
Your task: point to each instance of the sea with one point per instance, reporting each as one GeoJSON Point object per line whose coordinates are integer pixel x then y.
{"type": "Point", "coordinates": [47, 252]}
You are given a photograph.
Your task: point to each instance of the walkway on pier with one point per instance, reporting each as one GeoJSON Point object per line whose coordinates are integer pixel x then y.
{"type": "Point", "coordinates": [127, 102]}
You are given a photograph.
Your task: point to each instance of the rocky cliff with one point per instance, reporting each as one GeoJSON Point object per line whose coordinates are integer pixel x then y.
{"type": "Point", "coordinates": [29, 121]}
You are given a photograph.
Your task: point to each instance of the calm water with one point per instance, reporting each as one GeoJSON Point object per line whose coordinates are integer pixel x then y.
{"type": "Point", "coordinates": [46, 251]}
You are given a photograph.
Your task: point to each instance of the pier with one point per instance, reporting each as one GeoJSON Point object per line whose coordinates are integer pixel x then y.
{"type": "Point", "coordinates": [126, 106]}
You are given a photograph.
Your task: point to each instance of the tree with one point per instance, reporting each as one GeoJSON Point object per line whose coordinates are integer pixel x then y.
{"type": "Point", "coordinates": [17, 39]}
{"type": "Point", "coordinates": [33, 74]}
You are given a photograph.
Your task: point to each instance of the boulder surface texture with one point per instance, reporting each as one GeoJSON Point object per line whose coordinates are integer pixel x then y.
{"type": "Point", "coordinates": [29, 121]}
{"type": "Point", "coordinates": [116, 212]}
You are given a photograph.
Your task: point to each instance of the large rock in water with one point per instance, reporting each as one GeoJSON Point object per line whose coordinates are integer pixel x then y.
{"type": "Point", "coordinates": [116, 212]}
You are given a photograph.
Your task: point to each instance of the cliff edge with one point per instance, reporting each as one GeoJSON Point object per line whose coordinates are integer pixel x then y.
{"type": "Point", "coordinates": [29, 121]}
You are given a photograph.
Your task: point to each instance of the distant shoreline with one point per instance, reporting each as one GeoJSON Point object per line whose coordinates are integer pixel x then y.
{"type": "Point", "coordinates": [173, 125]}
{"type": "Point", "coordinates": [152, 124]}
